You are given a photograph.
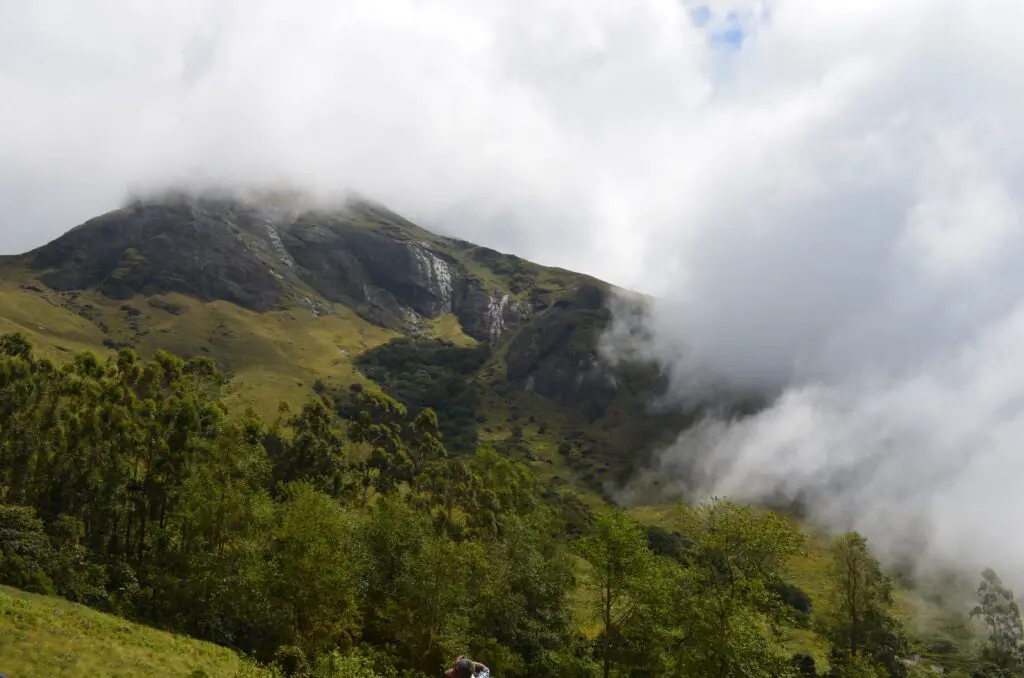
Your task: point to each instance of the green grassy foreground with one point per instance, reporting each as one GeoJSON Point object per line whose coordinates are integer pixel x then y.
{"type": "Point", "coordinates": [44, 637]}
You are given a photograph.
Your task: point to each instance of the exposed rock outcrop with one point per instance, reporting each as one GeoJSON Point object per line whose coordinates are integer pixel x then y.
{"type": "Point", "coordinates": [170, 246]}
{"type": "Point", "coordinates": [487, 316]}
{"type": "Point", "coordinates": [388, 270]}
{"type": "Point", "coordinates": [556, 356]}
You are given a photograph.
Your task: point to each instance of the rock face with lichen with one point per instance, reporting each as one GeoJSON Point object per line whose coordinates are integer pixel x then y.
{"type": "Point", "coordinates": [487, 315]}
{"type": "Point", "coordinates": [203, 251]}
{"type": "Point", "coordinates": [262, 256]}
{"type": "Point", "coordinates": [556, 354]}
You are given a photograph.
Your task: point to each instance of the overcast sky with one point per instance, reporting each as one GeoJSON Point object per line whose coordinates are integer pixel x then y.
{"type": "Point", "coordinates": [556, 130]}
{"type": "Point", "coordinates": [826, 196]}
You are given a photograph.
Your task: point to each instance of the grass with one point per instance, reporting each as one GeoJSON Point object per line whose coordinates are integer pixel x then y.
{"type": "Point", "coordinates": [54, 329]}
{"type": "Point", "coordinates": [46, 637]}
{"type": "Point", "coordinates": [270, 357]}
{"type": "Point", "coordinates": [447, 327]}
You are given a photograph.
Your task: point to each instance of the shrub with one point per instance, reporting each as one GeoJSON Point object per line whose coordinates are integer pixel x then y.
{"type": "Point", "coordinates": [291, 660]}
{"type": "Point", "coordinates": [336, 665]}
{"type": "Point", "coordinates": [25, 574]}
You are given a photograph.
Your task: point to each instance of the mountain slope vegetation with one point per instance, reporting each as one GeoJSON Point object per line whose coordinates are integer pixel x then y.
{"type": "Point", "coordinates": [346, 446]}
{"type": "Point", "coordinates": [286, 298]}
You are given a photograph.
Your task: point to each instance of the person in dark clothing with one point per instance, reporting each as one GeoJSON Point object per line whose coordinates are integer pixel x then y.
{"type": "Point", "coordinates": [466, 668]}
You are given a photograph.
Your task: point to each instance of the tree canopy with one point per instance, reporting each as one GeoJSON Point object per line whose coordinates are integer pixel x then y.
{"type": "Point", "coordinates": [349, 540]}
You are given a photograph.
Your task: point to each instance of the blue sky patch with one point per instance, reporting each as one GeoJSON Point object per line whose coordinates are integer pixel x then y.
{"type": "Point", "coordinates": [700, 16]}
{"type": "Point", "coordinates": [724, 31]}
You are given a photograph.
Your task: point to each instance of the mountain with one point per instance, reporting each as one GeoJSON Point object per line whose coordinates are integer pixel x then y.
{"type": "Point", "coordinates": [131, 489]}
{"type": "Point", "coordinates": [288, 297]}
{"type": "Point", "coordinates": [263, 257]}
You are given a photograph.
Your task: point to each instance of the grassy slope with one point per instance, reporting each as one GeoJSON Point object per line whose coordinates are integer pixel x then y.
{"type": "Point", "coordinates": [271, 357]}
{"type": "Point", "coordinates": [43, 637]}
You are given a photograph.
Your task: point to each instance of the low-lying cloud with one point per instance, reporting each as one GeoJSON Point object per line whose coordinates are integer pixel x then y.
{"type": "Point", "coordinates": [825, 196]}
{"type": "Point", "coordinates": [859, 257]}
{"type": "Point", "coordinates": [929, 459]}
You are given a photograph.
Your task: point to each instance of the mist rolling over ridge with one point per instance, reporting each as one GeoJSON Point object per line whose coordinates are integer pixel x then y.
{"type": "Point", "coordinates": [863, 267]}
{"type": "Point", "coordinates": [824, 198]}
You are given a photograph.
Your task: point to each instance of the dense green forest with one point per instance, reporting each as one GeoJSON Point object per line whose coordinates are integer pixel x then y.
{"type": "Point", "coordinates": [359, 545]}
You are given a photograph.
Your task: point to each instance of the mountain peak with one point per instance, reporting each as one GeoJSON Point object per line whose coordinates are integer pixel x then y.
{"type": "Point", "coordinates": [273, 250]}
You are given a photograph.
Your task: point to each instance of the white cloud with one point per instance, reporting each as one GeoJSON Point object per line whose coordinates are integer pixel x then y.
{"type": "Point", "coordinates": [511, 123]}
{"type": "Point", "coordinates": [857, 247]}
{"type": "Point", "coordinates": [832, 209]}
{"type": "Point", "coordinates": [935, 453]}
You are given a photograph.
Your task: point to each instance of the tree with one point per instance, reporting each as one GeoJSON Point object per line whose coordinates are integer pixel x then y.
{"type": "Point", "coordinates": [315, 572]}
{"type": "Point", "coordinates": [622, 567]}
{"type": "Point", "coordinates": [1003, 654]}
{"type": "Point", "coordinates": [425, 443]}
{"type": "Point", "coordinates": [392, 534]}
{"type": "Point", "coordinates": [125, 484]}
{"type": "Point", "coordinates": [734, 555]}
{"type": "Point", "coordinates": [521, 592]}
{"type": "Point", "coordinates": [316, 453]}
{"type": "Point", "coordinates": [377, 427]}
{"type": "Point", "coordinates": [858, 621]}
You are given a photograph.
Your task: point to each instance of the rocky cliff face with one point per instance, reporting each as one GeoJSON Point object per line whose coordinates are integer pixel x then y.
{"type": "Point", "coordinates": [487, 315]}
{"type": "Point", "coordinates": [556, 355]}
{"type": "Point", "coordinates": [204, 251]}
{"type": "Point", "coordinates": [387, 269]}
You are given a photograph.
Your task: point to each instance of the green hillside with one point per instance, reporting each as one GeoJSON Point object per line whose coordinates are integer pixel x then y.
{"type": "Point", "coordinates": [285, 300]}
{"type": "Point", "coordinates": [43, 636]}
{"type": "Point", "coordinates": [346, 446]}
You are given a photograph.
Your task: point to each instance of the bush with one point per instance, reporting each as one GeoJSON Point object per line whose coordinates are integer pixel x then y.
{"type": "Point", "coordinates": [793, 597]}
{"type": "Point", "coordinates": [21, 533]}
{"type": "Point", "coordinates": [805, 666]}
{"type": "Point", "coordinates": [25, 574]}
{"type": "Point", "coordinates": [431, 373]}
{"type": "Point", "coordinates": [123, 585]}
{"type": "Point", "coordinates": [74, 577]}
{"type": "Point", "coordinates": [252, 669]}
{"type": "Point", "coordinates": [664, 542]}
{"type": "Point", "coordinates": [26, 550]}
{"type": "Point", "coordinates": [336, 665]}
{"type": "Point", "coordinates": [291, 660]}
